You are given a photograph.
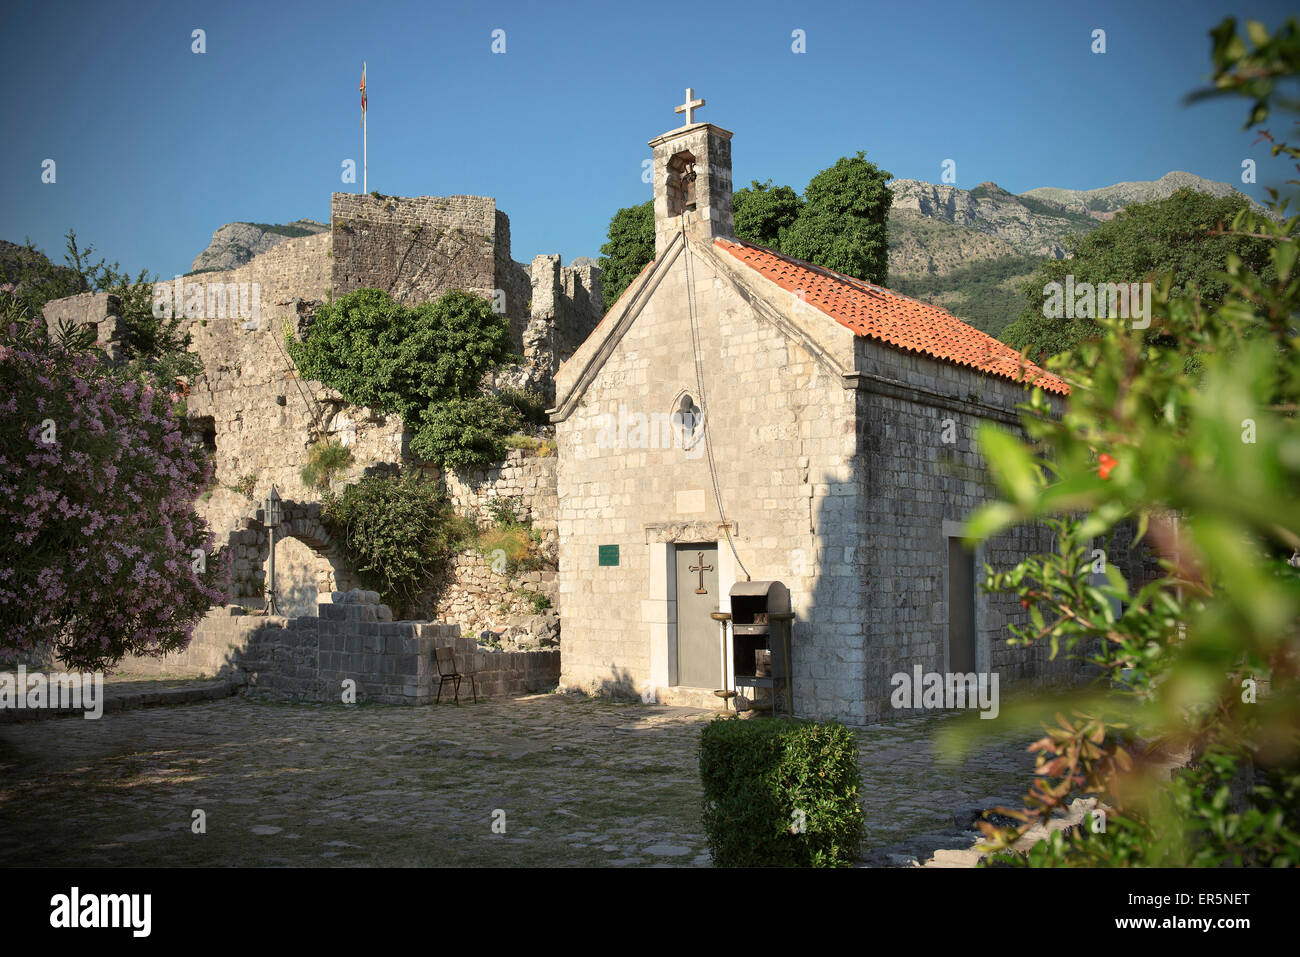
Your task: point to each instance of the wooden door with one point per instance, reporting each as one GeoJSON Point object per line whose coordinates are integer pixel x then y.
{"type": "Point", "coordinates": [699, 642]}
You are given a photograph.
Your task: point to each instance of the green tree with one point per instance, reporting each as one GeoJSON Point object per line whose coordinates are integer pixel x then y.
{"type": "Point", "coordinates": [630, 245]}
{"type": "Point", "coordinates": [425, 363]}
{"type": "Point", "coordinates": [764, 212]}
{"type": "Point", "coordinates": [1180, 237]}
{"type": "Point", "coordinates": [844, 224]}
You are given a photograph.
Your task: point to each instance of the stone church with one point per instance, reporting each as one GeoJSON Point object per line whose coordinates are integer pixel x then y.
{"type": "Point", "coordinates": [740, 415]}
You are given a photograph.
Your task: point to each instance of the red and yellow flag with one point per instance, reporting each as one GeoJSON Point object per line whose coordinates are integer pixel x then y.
{"type": "Point", "coordinates": [363, 91]}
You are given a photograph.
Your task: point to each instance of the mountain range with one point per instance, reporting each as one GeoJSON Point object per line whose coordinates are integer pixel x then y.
{"type": "Point", "coordinates": [971, 250]}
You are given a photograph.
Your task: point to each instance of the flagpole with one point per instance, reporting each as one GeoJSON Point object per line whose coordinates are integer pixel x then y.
{"type": "Point", "coordinates": [364, 156]}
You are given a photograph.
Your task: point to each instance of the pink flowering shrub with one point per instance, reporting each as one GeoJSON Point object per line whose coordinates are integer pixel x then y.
{"type": "Point", "coordinates": [101, 551]}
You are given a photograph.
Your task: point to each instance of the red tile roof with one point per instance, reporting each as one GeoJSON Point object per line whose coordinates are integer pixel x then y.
{"type": "Point", "coordinates": [886, 316]}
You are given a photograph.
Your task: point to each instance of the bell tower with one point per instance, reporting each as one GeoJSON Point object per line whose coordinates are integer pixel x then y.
{"type": "Point", "coordinates": [692, 178]}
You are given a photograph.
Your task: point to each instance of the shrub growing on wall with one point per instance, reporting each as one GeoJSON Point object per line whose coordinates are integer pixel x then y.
{"type": "Point", "coordinates": [101, 551]}
{"type": "Point", "coordinates": [325, 460]}
{"type": "Point", "coordinates": [425, 363]}
{"type": "Point", "coordinates": [397, 532]}
{"type": "Point", "coordinates": [780, 793]}
{"type": "Point", "coordinates": [463, 433]}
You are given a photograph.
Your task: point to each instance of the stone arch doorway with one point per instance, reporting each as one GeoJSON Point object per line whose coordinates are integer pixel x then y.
{"type": "Point", "coordinates": [308, 562]}
{"type": "Point", "coordinates": [301, 575]}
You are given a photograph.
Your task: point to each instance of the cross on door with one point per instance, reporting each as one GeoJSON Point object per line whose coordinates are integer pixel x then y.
{"type": "Point", "coordinates": [701, 568]}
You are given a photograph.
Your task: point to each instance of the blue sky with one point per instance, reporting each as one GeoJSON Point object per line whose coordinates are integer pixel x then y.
{"type": "Point", "coordinates": [157, 146]}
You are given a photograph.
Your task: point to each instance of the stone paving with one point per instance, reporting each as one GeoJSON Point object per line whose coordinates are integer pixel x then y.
{"type": "Point", "coordinates": [581, 782]}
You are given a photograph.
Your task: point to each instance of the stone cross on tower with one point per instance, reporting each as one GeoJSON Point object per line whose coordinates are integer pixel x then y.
{"type": "Point", "coordinates": [689, 107]}
{"type": "Point", "coordinates": [692, 181]}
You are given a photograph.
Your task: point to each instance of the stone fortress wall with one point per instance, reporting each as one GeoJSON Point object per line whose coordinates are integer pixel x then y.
{"type": "Point", "coordinates": [260, 418]}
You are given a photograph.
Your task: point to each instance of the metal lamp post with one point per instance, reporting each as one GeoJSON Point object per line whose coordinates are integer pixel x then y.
{"type": "Point", "coordinates": [725, 693]}
{"type": "Point", "coordinates": [271, 518]}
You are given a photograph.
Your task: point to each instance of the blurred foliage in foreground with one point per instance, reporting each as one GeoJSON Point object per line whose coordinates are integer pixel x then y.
{"type": "Point", "coordinates": [1192, 439]}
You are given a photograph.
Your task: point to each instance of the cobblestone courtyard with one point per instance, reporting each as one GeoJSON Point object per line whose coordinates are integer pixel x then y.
{"type": "Point", "coordinates": [581, 781]}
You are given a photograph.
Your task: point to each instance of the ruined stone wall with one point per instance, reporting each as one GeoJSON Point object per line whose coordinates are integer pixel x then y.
{"type": "Point", "coordinates": [309, 658]}
{"type": "Point", "coordinates": [582, 305]}
{"type": "Point", "coordinates": [298, 268]}
{"type": "Point", "coordinates": [565, 306]}
{"type": "Point", "coordinates": [261, 417]}
{"type": "Point", "coordinates": [416, 249]}
{"type": "Point", "coordinates": [96, 309]}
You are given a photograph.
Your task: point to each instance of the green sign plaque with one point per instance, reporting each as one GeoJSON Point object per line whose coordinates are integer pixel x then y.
{"type": "Point", "coordinates": [608, 554]}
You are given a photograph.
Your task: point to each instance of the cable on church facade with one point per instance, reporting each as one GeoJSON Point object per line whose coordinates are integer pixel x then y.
{"type": "Point", "coordinates": [699, 383]}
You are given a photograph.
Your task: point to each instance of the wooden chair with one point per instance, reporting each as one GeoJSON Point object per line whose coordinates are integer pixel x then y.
{"type": "Point", "coordinates": [446, 659]}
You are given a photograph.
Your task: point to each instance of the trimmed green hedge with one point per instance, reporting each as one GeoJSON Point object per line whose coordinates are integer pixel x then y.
{"type": "Point", "coordinates": [764, 778]}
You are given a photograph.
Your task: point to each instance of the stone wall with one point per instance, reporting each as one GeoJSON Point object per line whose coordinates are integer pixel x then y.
{"type": "Point", "coordinates": [309, 658]}
{"type": "Point", "coordinates": [475, 594]}
{"type": "Point", "coordinates": [260, 416]}
{"type": "Point", "coordinates": [565, 306]}
{"type": "Point", "coordinates": [527, 479]}
{"type": "Point", "coordinates": [260, 419]}
{"type": "Point", "coordinates": [97, 309]}
{"type": "Point", "coordinates": [918, 422]}
{"type": "Point", "coordinates": [479, 598]}
{"type": "Point", "coordinates": [418, 248]}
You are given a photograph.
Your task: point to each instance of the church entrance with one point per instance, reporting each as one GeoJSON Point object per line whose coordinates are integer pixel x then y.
{"type": "Point", "coordinates": [699, 652]}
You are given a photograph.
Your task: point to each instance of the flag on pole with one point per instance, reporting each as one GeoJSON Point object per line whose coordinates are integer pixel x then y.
{"type": "Point", "coordinates": [363, 92]}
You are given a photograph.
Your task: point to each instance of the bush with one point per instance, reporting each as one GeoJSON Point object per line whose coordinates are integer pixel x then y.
{"type": "Point", "coordinates": [780, 793]}
{"type": "Point", "coordinates": [465, 433]}
{"type": "Point", "coordinates": [397, 533]}
{"type": "Point", "coordinates": [102, 553]}
{"type": "Point", "coordinates": [325, 460]}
